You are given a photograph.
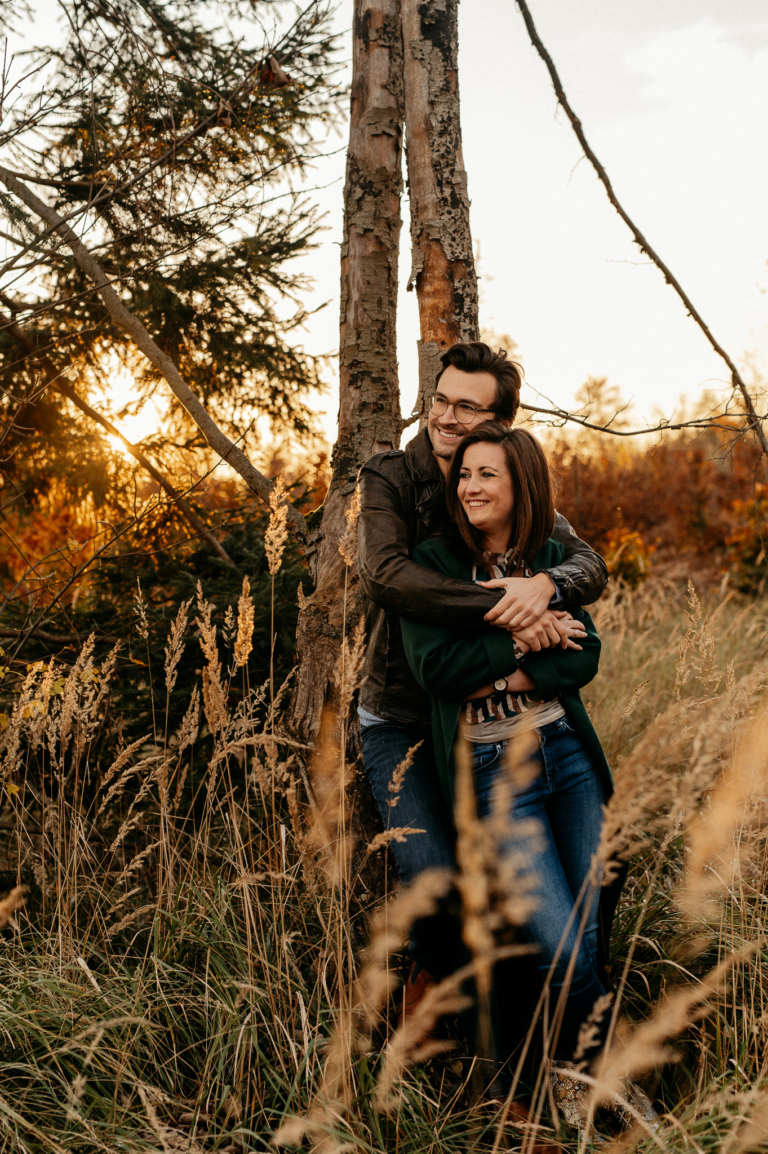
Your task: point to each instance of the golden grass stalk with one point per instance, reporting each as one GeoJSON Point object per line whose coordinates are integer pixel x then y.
{"type": "Point", "coordinates": [387, 836]}
{"type": "Point", "coordinates": [245, 622]}
{"type": "Point", "coordinates": [639, 1049]}
{"type": "Point", "coordinates": [12, 902]}
{"type": "Point", "coordinates": [348, 542]}
{"type": "Point", "coordinates": [175, 645]}
{"type": "Point", "coordinates": [140, 607]}
{"type": "Point", "coordinates": [214, 693]}
{"type": "Point", "coordinates": [717, 838]}
{"type": "Point", "coordinates": [349, 670]}
{"type": "Point", "coordinates": [398, 776]}
{"type": "Point", "coordinates": [474, 848]}
{"type": "Point", "coordinates": [276, 536]}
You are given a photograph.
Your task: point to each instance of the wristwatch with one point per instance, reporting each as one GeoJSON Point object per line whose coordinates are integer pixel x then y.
{"type": "Point", "coordinates": [500, 684]}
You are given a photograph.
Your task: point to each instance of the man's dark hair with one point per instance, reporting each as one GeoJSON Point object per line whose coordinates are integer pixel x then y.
{"type": "Point", "coordinates": [533, 509]}
{"type": "Point", "coordinates": [477, 357]}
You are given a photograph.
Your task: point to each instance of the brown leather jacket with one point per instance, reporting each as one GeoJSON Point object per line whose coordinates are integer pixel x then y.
{"type": "Point", "coordinates": [402, 503]}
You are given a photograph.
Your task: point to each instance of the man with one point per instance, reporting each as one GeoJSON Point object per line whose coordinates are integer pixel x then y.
{"type": "Point", "coordinates": [402, 503]}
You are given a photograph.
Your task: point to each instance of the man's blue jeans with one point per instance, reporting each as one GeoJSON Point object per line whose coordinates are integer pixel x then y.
{"type": "Point", "coordinates": [420, 805]}
{"type": "Point", "coordinates": [566, 798]}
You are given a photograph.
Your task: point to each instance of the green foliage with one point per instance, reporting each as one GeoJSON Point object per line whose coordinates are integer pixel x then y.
{"type": "Point", "coordinates": [160, 140]}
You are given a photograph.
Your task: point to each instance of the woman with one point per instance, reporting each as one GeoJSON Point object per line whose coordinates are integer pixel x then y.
{"type": "Point", "coordinates": [499, 494]}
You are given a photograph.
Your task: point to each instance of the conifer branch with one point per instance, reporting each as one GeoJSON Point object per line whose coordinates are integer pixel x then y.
{"type": "Point", "coordinates": [54, 379]}
{"type": "Point", "coordinates": [124, 319]}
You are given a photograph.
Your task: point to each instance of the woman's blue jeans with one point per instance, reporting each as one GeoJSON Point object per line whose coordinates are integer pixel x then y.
{"type": "Point", "coordinates": [566, 798]}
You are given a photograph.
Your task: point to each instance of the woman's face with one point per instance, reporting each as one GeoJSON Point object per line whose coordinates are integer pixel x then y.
{"type": "Point", "coordinates": [485, 489]}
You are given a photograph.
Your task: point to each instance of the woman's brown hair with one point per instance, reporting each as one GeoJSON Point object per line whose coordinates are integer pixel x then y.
{"type": "Point", "coordinates": [533, 506]}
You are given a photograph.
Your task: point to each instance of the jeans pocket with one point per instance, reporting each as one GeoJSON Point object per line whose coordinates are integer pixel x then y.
{"type": "Point", "coordinates": [564, 725]}
{"type": "Point", "coordinates": [485, 756]}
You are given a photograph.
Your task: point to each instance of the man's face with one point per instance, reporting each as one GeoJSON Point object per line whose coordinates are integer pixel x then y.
{"type": "Point", "coordinates": [456, 386]}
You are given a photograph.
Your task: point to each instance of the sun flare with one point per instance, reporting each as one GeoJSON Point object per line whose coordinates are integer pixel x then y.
{"type": "Point", "coordinates": [135, 428]}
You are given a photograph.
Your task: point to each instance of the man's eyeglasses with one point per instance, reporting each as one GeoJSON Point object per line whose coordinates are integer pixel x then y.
{"type": "Point", "coordinates": [465, 414]}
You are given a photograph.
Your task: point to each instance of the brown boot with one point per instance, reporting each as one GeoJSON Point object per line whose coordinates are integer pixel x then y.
{"type": "Point", "coordinates": [418, 982]}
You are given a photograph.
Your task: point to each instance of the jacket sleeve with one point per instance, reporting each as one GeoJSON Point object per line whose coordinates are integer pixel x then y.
{"type": "Point", "coordinates": [450, 663]}
{"type": "Point", "coordinates": [392, 580]}
{"type": "Point", "coordinates": [581, 575]}
{"type": "Point", "coordinates": [556, 671]}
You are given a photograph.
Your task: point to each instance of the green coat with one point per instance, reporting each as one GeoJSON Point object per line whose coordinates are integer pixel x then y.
{"type": "Point", "coordinates": [450, 663]}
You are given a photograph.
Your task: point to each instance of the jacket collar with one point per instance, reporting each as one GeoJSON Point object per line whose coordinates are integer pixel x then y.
{"type": "Point", "coordinates": [420, 460]}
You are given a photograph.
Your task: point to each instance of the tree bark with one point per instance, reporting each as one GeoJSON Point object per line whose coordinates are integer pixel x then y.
{"type": "Point", "coordinates": [369, 404]}
{"type": "Point", "coordinates": [443, 268]}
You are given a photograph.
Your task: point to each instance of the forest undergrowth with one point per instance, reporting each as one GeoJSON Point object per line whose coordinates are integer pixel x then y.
{"type": "Point", "coordinates": [190, 960]}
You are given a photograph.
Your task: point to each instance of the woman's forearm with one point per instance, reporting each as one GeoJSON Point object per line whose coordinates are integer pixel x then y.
{"type": "Point", "coordinates": [517, 682]}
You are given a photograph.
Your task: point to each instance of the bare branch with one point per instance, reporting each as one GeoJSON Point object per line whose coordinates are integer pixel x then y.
{"type": "Point", "coordinates": [663, 426]}
{"type": "Point", "coordinates": [754, 421]}
{"type": "Point", "coordinates": [216, 438]}
{"type": "Point", "coordinates": [55, 638]}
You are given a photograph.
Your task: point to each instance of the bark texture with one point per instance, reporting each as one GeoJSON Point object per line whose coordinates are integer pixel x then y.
{"type": "Point", "coordinates": [443, 268]}
{"type": "Point", "coordinates": [369, 405]}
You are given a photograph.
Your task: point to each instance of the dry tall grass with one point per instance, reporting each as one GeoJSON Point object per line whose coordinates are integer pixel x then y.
{"type": "Point", "coordinates": [190, 972]}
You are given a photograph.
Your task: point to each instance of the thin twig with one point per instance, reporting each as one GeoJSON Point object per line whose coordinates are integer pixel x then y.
{"type": "Point", "coordinates": [754, 422]}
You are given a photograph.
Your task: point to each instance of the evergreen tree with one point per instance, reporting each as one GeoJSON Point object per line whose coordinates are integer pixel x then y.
{"type": "Point", "coordinates": [170, 135]}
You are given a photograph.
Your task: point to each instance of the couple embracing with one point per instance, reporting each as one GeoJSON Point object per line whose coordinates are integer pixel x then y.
{"type": "Point", "coordinates": [475, 588]}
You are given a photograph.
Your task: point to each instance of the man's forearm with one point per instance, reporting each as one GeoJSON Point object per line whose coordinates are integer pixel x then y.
{"type": "Point", "coordinates": [399, 585]}
{"type": "Point", "coordinates": [581, 577]}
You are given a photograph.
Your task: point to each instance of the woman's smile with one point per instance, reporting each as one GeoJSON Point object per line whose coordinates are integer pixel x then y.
{"type": "Point", "coordinates": [485, 491]}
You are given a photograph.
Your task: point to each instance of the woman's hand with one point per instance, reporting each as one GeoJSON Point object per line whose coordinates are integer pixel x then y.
{"type": "Point", "coordinates": [525, 600]}
{"type": "Point", "coordinates": [555, 627]}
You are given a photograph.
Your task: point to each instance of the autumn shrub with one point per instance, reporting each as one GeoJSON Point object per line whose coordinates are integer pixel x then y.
{"type": "Point", "coordinates": [748, 541]}
{"type": "Point", "coordinates": [685, 496]}
{"type": "Point", "coordinates": [627, 556]}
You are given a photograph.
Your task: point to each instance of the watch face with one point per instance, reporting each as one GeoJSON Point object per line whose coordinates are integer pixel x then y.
{"type": "Point", "coordinates": [500, 685]}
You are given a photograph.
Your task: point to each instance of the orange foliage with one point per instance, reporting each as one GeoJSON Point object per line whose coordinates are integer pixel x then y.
{"type": "Point", "coordinates": [42, 545]}
{"type": "Point", "coordinates": [688, 500]}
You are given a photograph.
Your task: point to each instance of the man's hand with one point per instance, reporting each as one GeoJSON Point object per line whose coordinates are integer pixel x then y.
{"type": "Point", "coordinates": [554, 627]}
{"type": "Point", "coordinates": [524, 602]}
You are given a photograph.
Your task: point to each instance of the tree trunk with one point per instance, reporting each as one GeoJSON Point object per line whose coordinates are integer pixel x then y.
{"type": "Point", "coordinates": [443, 269]}
{"type": "Point", "coordinates": [369, 406]}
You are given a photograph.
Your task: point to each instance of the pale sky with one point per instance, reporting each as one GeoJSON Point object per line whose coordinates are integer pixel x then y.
{"type": "Point", "coordinates": [673, 96]}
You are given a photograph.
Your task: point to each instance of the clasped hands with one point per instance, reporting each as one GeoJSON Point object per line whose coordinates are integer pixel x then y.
{"type": "Point", "coordinates": [524, 612]}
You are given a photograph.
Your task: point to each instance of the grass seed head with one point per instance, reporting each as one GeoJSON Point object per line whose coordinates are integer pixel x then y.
{"type": "Point", "coordinates": [277, 531]}
{"type": "Point", "coordinates": [245, 621]}
{"type": "Point", "coordinates": [348, 543]}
